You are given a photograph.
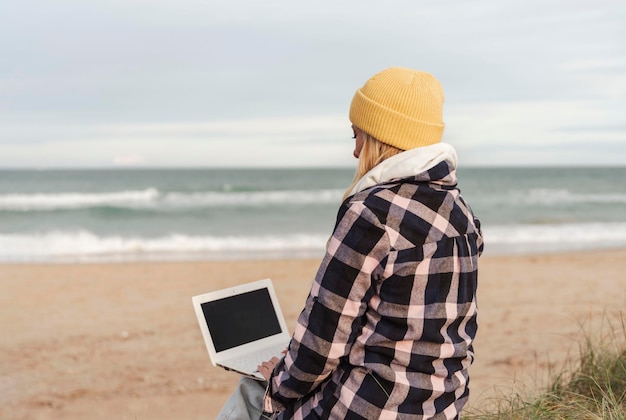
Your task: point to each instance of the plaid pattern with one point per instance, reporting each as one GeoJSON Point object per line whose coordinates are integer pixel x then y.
{"type": "Point", "coordinates": [388, 326]}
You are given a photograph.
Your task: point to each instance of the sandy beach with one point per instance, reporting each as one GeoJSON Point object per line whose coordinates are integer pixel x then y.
{"type": "Point", "coordinates": [120, 340]}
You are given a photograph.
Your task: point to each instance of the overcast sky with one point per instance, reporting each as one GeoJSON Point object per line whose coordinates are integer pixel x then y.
{"type": "Point", "coordinates": [104, 83]}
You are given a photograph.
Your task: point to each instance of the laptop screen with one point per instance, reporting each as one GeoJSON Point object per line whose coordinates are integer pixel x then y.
{"type": "Point", "coordinates": [240, 319]}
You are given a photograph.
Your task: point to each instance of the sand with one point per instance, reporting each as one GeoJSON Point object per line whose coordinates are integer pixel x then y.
{"type": "Point", "coordinates": [120, 340]}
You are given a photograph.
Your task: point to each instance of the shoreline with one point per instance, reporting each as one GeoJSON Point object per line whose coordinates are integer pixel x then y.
{"type": "Point", "coordinates": [312, 254]}
{"type": "Point", "coordinates": [120, 340]}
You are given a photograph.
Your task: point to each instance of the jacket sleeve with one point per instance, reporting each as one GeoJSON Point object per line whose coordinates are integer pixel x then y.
{"type": "Point", "coordinates": [332, 317]}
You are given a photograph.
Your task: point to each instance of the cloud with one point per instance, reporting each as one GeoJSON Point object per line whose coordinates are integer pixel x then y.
{"type": "Point", "coordinates": [192, 75]}
{"type": "Point", "coordinates": [285, 142]}
{"type": "Point", "coordinates": [128, 160]}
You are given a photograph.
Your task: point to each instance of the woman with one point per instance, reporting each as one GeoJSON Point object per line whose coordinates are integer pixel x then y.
{"type": "Point", "coordinates": [388, 325]}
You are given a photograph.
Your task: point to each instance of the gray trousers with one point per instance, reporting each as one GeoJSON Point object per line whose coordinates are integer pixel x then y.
{"type": "Point", "coordinates": [246, 402]}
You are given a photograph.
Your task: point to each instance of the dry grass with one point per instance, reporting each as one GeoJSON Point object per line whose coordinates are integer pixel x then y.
{"type": "Point", "coordinates": [591, 387]}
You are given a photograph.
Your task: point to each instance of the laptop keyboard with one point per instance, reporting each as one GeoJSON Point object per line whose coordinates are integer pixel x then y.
{"type": "Point", "coordinates": [249, 362]}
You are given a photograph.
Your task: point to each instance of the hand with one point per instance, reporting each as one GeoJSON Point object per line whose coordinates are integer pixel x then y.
{"type": "Point", "coordinates": [266, 368]}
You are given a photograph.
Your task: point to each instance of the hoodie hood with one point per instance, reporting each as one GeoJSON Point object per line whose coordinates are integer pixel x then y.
{"type": "Point", "coordinates": [409, 163]}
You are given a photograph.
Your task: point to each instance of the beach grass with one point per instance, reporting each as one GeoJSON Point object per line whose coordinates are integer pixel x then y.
{"type": "Point", "coordinates": [591, 386]}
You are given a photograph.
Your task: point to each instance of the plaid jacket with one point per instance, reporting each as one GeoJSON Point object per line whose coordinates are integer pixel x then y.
{"type": "Point", "coordinates": [388, 325]}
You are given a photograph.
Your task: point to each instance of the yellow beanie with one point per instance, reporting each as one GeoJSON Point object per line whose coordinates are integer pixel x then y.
{"type": "Point", "coordinates": [401, 107]}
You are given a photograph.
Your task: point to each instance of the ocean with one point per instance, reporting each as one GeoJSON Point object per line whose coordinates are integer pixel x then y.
{"type": "Point", "coordinates": [181, 214]}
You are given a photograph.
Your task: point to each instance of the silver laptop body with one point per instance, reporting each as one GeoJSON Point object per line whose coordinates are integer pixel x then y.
{"type": "Point", "coordinates": [242, 326]}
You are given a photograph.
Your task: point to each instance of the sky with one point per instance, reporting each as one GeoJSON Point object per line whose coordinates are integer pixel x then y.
{"type": "Point", "coordinates": [233, 83]}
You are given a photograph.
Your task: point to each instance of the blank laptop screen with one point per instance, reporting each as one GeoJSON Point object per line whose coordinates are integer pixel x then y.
{"type": "Point", "coordinates": [240, 319]}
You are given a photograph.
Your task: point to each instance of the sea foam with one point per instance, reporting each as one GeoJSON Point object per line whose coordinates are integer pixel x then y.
{"type": "Point", "coordinates": [78, 245]}
{"type": "Point", "coordinates": [152, 198]}
{"type": "Point", "coordinates": [553, 237]}
{"type": "Point", "coordinates": [85, 245]}
{"type": "Point", "coordinates": [65, 201]}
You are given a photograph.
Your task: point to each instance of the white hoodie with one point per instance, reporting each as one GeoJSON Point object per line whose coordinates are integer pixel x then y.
{"type": "Point", "coordinates": [408, 163]}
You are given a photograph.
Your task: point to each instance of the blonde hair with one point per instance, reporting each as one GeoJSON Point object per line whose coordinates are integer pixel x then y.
{"type": "Point", "coordinates": [372, 153]}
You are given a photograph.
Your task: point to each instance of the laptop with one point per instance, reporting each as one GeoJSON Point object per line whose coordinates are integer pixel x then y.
{"type": "Point", "coordinates": [242, 326]}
